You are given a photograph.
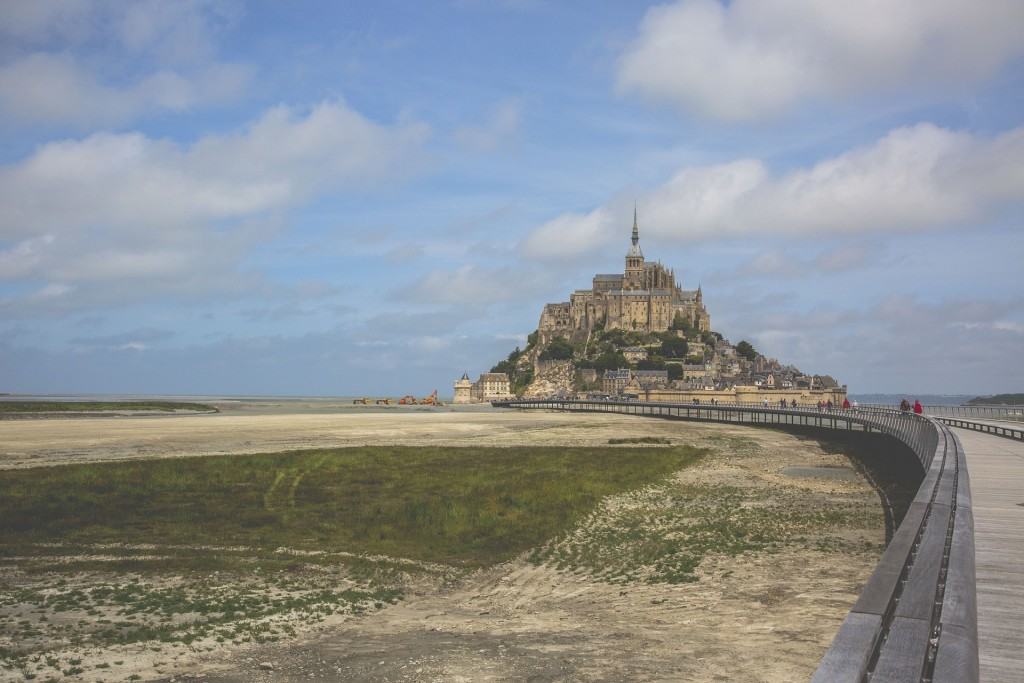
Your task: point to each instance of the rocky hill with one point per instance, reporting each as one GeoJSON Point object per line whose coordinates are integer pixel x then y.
{"type": "Point", "coordinates": [557, 365]}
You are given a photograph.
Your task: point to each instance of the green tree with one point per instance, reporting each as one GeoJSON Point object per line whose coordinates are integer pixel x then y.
{"type": "Point", "coordinates": [674, 347]}
{"type": "Point", "coordinates": [746, 350]}
{"type": "Point", "coordinates": [675, 371]}
{"type": "Point", "coordinates": [611, 360]}
{"type": "Point", "coordinates": [508, 366]}
{"type": "Point", "coordinates": [681, 322]}
{"type": "Point", "coordinates": [558, 349]}
{"type": "Point", "coordinates": [654, 363]}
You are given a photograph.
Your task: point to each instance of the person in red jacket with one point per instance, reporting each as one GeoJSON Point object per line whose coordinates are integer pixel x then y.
{"type": "Point", "coordinates": [846, 404]}
{"type": "Point", "coordinates": [918, 408]}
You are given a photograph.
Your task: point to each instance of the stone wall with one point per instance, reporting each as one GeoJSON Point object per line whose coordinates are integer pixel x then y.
{"type": "Point", "coordinates": [803, 397]}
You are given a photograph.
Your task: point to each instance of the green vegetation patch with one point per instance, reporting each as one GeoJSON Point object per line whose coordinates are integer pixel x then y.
{"type": "Point", "coordinates": [202, 552]}
{"type": "Point", "coordinates": [655, 440]}
{"type": "Point", "coordinates": [466, 506]}
{"type": "Point", "coordinates": [13, 407]}
{"type": "Point", "coordinates": [90, 612]}
{"type": "Point", "coordinates": [662, 534]}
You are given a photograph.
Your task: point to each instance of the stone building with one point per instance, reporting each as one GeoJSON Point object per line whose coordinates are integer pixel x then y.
{"type": "Point", "coordinates": [615, 381]}
{"type": "Point", "coordinates": [491, 386]}
{"type": "Point", "coordinates": [463, 390]}
{"type": "Point", "coordinates": [644, 297]}
{"type": "Point", "coordinates": [652, 379]}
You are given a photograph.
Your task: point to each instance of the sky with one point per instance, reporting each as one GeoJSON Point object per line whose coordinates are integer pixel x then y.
{"type": "Point", "coordinates": [323, 198]}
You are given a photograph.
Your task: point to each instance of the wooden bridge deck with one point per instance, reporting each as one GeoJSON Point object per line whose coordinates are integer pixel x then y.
{"type": "Point", "coordinates": [996, 468]}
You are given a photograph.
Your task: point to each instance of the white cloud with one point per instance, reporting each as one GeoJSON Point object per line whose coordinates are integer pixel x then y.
{"type": "Point", "coordinates": [175, 32]}
{"type": "Point", "coordinates": [42, 20]}
{"type": "Point", "coordinates": [570, 234]}
{"type": "Point", "coordinates": [752, 58]}
{"type": "Point", "coordinates": [44, 88]}
{"type": "Point", "coordinates": [124, 206]}
{"type": "Point", "coordinates": [916, 178]}
{"type": "Point", "coordinates": [896, 343]}
{"type": "Point", "coordinates": [472, 285]}
{"type": "Point", "coordinates": [149, 56]}
{"type": "Point", "coordinates": [23, 258]}
{"type": "Point", "coordinates": [180, 31]}
{"type": "Point", "coordinates": [133, 183]}
{"type": "Point", "coordinates": [502, 124]}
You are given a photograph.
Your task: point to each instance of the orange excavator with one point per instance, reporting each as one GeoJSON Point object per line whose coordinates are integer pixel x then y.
{"type": "Point", "coordinates": [407, 400]}
{"type": "Point", "coordinates": [431, 400]}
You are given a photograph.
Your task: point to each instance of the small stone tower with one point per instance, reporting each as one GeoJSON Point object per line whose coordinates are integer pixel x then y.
{"type": "Point", "coordinates": [464, 390]}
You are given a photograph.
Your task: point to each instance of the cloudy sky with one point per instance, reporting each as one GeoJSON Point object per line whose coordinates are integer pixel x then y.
{"type": "Point", "coordinates": [322, 198]}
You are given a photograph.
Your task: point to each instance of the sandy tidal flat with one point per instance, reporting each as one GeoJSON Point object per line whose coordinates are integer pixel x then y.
{"type": "Point", "coordinates": [588, 606]}
{"type": "Point", "coordinates": [255, 428]}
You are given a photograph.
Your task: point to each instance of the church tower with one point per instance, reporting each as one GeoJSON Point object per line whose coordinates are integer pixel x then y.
{"type": "Point", "coordinates": [634, 260]}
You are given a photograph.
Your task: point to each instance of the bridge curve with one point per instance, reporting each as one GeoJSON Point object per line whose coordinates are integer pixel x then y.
{"type": "Point", "coordinates": [916, 618]}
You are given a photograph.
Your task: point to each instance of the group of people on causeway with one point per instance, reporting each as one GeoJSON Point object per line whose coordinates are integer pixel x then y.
{"type": "Point", "coordinates": [905, 406]}
{"type": "Point", "coordinates": [828, 406]}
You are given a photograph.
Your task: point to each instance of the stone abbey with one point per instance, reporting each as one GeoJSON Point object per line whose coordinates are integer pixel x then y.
{"type": "Point", "coordinates": [646, 298]}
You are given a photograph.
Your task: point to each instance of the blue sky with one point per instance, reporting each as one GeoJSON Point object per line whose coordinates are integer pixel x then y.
{"type": "Point", "coordinates": [344, 198]}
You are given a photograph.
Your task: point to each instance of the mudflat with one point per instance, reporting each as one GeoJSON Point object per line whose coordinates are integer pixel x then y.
{"type": "Point", "coordinates": [779, 554]}
{"type": "Point", "coordinates": [269, 427]}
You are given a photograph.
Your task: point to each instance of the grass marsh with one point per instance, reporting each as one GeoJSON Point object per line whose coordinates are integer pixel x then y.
{"type": "Point", "coordinates": [201, 552]}
{"type": "Point", "coordinates": [469, 506]}
{"type": "Point", "coordinates": [31, 407]}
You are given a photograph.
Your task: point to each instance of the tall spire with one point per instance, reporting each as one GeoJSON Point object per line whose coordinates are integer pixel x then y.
{"type": "Point", "coordinates": [634, 251]}
{"type": "Point", "coordinates": [636, 230]}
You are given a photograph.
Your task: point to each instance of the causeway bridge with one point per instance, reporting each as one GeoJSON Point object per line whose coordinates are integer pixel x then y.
{"type": "Point", "coordinates": [946, 600]}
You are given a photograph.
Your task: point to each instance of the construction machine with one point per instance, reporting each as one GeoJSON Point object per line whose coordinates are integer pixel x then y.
{"type": "Point", "coordinates": [431, 400]}
{"type": "Point", "coordinates": [383, 401]}
{"type": "Point", "coordinates": [361, 401]}
{"type": "Point", "coordinates": [407, 400]}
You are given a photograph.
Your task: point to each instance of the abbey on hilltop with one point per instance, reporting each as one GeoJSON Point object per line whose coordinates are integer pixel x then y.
{"type": "Point", "coordinates": [644, 298]}
{"type": "Point", "coordinates": [640, 335]}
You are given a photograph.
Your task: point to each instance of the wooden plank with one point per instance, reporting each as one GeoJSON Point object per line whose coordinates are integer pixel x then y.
{"type": "Point", "coordinates": [918, 599]}
{"type": "Point", "coordinates": [959, 602]}
{"type": "Point", "coordinates": [957, 657]}
{"type": "Point", "coordinates": [996, 469]}
{"type": "Point", "coordinates": [878, 590]}
{"type": "Point", "coordinates": [904, 652]}
{"type": "Point", "coordinates": [847, 659]}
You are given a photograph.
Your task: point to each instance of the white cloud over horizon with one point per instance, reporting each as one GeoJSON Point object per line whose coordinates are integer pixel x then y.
{"type": "Point", "coordinates": [749, 59]}
{"type": "Point", "coordinates": [111, 208]}
{"type": "Point", "coordinates": [917, 178]}
{"type": "Point", "coordinates": [229, 196]}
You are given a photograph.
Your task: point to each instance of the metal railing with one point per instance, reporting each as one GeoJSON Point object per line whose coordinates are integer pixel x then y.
{"type": "Point", "coordinates": [1015, 413]}
{"type": "Point", "coordinates": [916, 619]}
{"type": "Point", "coordinates": [1011, 413]}
{"type": "Point", "coordinates": [1004, 431]}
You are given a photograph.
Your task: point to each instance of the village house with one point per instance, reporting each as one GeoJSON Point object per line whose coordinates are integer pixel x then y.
{"type": "Point", "coordinates": [615, 381]}
{"type": "Point", "coordinates": [491, 386]}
